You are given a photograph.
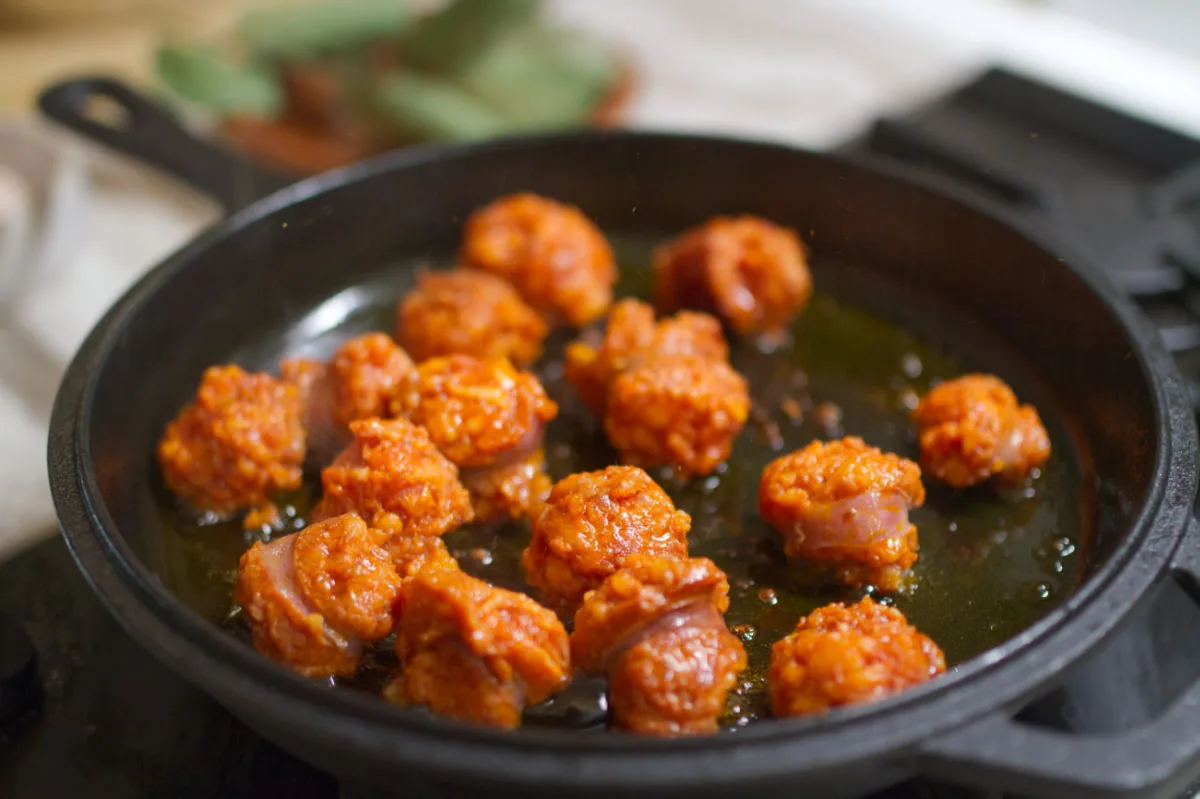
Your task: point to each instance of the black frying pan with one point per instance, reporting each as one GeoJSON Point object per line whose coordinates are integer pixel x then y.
{"type": "Point", "coordinates": [1015, 587]}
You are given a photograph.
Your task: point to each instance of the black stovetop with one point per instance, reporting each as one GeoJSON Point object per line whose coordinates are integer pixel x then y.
{"type": "Point", "coordinates": [110, 723]}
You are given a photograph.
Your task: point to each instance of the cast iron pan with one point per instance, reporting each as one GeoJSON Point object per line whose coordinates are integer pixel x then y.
{"type": "Point", "coordinates": [915, 284]}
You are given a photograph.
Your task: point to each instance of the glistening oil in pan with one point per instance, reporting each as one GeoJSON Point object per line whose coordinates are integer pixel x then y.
{"type": "Point", "coordinates": [990, 564]}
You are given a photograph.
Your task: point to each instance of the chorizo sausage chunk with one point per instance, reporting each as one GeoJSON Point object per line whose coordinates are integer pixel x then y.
{"type": "Point", "coordinates": [971, 429]}
{"type": "Point", "coordinates": [489, 419]}
{"type": "Point", "coordinates": [476, 652]}
{"type": "Point", "coordinates": [631, 338]}
{"type": "Point", "coordinates": [239, 441]}
{"type": "Point", "coordinates": [509, 490]}
{"type": "Point", "coordinates": [393, 476]}
{"type": "Point", "coordinates": [314, 598]}
{"type": "Point", "coordinates": [366, 372]}
{"type": "Point", "coordinates": [590, 524]}
{"type": "Point", "coordinates": [656, 629]}
{"type": "Point", "coordinates": [553, 255]}
{"type": "Point", "coordinates": [680, 410]}
{"type": "Point", "coordinates": [466, 312]}
{"type": "Point", "coordinates": [846, 504]}
{"type": "Point", "coordinates": [841, 655]}
{"type": "Point", "coordinates": [750, 272]}
{"type": "Point", "coordinates": [419, 554]}
{"type": "Point", "coordinates": [324, 433]}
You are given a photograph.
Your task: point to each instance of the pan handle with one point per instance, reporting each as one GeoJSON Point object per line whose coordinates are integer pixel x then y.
{"type": "Point", "coordinates": [1158, 758]}
{"type": "Point", "coordinates": [111, 113]}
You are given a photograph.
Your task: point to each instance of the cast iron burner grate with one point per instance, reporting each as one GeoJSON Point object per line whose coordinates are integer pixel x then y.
{"type": "Point", "coordinates": [1119, 191]}
{"type": "Point", "coordinates": [114, 724]}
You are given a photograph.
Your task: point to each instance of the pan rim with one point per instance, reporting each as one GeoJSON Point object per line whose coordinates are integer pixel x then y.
{"type": "Point", "coordinates": [137, 599]}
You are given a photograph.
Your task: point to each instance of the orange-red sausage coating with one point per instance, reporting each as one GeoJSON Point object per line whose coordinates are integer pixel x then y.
{"type": "Point", "coordinates": [476, 411]}
{"type": "Point", "coordinates": [841, 655]}
{"type": "Point", "coordinates": [366, 373]}
{"type": "Point", "coordinates": [509, 490]}
{"type": "Point", "coordinates": [631, 338]}
{"type": "Point", "coordinates": [394, 477]}
{"type": "Point", "coordinates": [552, 254]}
{"type": "Point", "coordinates": [314, 598]}
{"type": "Point", "coordinates": [655, 628]}
{"type": "Point", "coordinates": [467, 312]}
{"type": "Point", "coordinates": [678, 410]}
{"type": "Point", "coordinates": [325, 434]}
{"type": "Point", "coordinates": [419, 554]}
{"type": "Point", "coordinates": [474, 651]}
{"type": "Point", "coordinates": [845, 503]}
{"type": "Point", "coordinates": [971, 429]}
{"type": "Point", "coordinates": [750, 272]}
{"type": "Point", "coordinates": [238, 442]}
{"type": "Point", "coordinates": [589, 525]}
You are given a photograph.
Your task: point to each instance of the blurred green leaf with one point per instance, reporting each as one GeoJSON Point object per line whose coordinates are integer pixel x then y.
{"type": "Point", "coordinates": [459, 33]}
{"type": "Point", "coordinates": [322, 28]}
{"type": "Point", "coordinates": [542, 77]}
{"type": "Point", "coordinates": [209, 79]}
{"type": "Point", "coordinates": [430, 108]}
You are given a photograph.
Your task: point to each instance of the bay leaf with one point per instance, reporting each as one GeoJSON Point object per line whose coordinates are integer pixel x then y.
{"type": "Point", "coordinates": [216, 82]}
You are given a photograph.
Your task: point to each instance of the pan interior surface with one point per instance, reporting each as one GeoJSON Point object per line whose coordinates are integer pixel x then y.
{"type": "Point", "coordinates": [912, 288]}
{"type": "Point", "coordinates": [990, 563]}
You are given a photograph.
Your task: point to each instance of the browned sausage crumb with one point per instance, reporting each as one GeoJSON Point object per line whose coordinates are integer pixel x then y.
{"type": "Point", "coordinates": [239, 441]}
{"type": "Point", "coordinates": [555, 257]}
{"type": "Point", "coordinates": [509, 490]}
{"type": "Point", "coordinates": [395, 478]}
{"type": "Point", "coordinates": [972, 429]}
{"type": "Point", "coordinates": [476, 411]}
{"type": "Point", "coordinates": [631, 338]}
{"type": "Point", "coordinates": [467, 312]}
{"type": "Point", "coordinates": [750, 272]}
{"type": "Point", "coordinates": [842, 655]}
{"type": "Point", "coordinates": [419, 554]}
{"type": "Point", "coordinates": [325, 435]}
{"type": "Point", "coordinates": [476, 652]}
{"type": "Point", "coordinates": [590, 524]}
{"type": "Point", "coordinates": [682, 410]}
{"type": "Point", "coordinates": [655, 628]}
{"type": "Point", "coordinates": [845, 503]}
{"type": "Point", "coordinates": [366, 373]}
{"type": "Point", "coordinates": [314, 598]}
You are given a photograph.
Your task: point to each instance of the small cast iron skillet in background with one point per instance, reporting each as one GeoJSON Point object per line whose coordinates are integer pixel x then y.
{"type": "Point", "coordinates": [314, 261]}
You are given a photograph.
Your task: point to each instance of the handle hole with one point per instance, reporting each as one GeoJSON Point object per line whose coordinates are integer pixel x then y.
{"type": "Point", "coordinates": [105, 110]}
{"type": "Point", "coordinates": [1135, 677]}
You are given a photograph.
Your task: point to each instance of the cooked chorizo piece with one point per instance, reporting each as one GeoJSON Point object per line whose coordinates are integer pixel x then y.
{"type": "Point", "coordinates": [631, 338]}
{"type": "Point", "coordinates": [680, 410]}
{"type": "Point", "coordinates": [366, 372]}
{"type": "Point", "coordinates": [419, 554]}
{"type": "Point", "coordinates": [971, 429]}
{"type": "Point", "coordinates": [841, 655]}
{"type": "Point", "coordinates": [314, 598]}
{"type": "Point", "coordinates": [553, 255]}
{"type": "Point", "coordinates": [589, 525]}
{"type": "Point", "coordinates": [467, 312]}
{"type": "Point", "coordinates": [655, 628]}
{"type": "Point", "coordinates": [846, 504]}
{"type": "Point", "coordinates": [393, 476]}
{"type": "Point", "coordinates": [489, 419]}
{"type": "Point", "coordinates": [476, 652]}
{"type": "Point", "coordinates": [476, 411]}
{"type": "Point", "coordinates": [325, 435]}
{"type": "Point", "coordinates": [239, 441]}
{"type": "Point", "coordinates": [750, 272]}
{"type": "Point", "coordinates": [508, 490]}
